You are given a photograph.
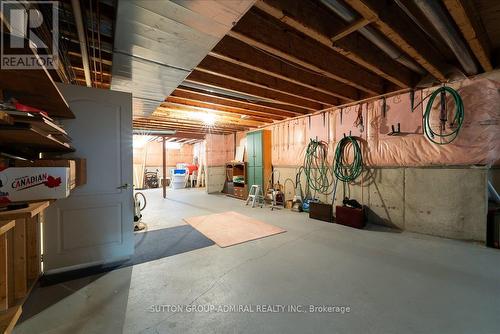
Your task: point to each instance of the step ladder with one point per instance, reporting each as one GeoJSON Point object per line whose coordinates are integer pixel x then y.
{"type": "Point", "coordinates": [255, 195]}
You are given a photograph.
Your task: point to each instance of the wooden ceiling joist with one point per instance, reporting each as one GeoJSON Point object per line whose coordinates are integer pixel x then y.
{"type": "Point", "coordinates": [316, 22]}
{"type": "Point", "coordinates": [215, 81]}
{"type": "Point", "coordinates": [188, 124]}
{"type": "Point", "coordinates": [266, 33]}
{"type": "Point", "coordinates": [281, 111]}
{"type": "Point", "coordinates": [228, 115]}
{"type": "Point", "coordinates": [232, 50]}
{"type": "Point", "coordinates": [464, 14]}
{"type": "Point", "coordinates": [398, 28]}
{"type": "Point", "coordinates": [174, 109]}
{"type": "Point", "coordinates": [222, 109]}
{"type": "Point", "coordinates": [177, 127]}
{"type": "Point", "coordinates": [183, 134]}
{"type": "Point", "coordinates": [232, 71]}
{"type": "Point", "coordinates": [355, 26]}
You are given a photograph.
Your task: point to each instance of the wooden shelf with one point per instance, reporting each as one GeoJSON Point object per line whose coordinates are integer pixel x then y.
{"type": "Point", "coordinates": [29, 140]}
{"type": "Point", "coordinates": [32, 210]}
{"type": "Point", "coordinates": [34, 88]}
{"type": "Point", "coordinates": [9, 318]}
{"type": "Point", "coordinates": [6, 225]}
{"type": "Point", "coordinates": [5, 119]}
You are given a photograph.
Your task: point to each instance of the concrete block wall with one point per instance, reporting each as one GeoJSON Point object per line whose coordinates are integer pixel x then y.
{"type": "Point", "coordinates": [446, 202]}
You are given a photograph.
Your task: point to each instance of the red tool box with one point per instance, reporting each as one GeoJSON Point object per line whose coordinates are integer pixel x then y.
{"type": "Point", "coordinates": [350, 217]}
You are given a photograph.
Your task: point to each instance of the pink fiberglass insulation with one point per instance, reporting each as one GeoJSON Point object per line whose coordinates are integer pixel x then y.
{"type": "Point", "coordinates": [477, 143]}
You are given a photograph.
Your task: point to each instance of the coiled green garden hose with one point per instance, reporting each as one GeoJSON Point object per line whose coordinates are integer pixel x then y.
{"type": "Point", "coordinates": [344, 171]}
{"type": "Point", "coordinates": [458, 119]}
{"type": "Point", "coordinates": [316, 168]}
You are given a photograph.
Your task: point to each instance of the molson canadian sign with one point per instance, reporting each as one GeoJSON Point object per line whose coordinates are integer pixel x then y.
{"type": "Point", "coordinates": [33, 183]}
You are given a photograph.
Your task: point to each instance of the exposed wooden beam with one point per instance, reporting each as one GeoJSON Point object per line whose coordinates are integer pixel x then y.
{"type": "Point", "coordinates": [264, 32]}
{"type": "Point", "coordinates": [171, 122]}
{"type": "Point", "coordinates": [179, 110]}
{"type": "Point", "coordinates": [183, 134]}
{"type": "Point", "coordinates": [164, 167]}
{"type": "Point", "coordinates": [239, 53]}
{"type": "Point", "coordinates": [164, 117]}
{"type": "Point", "coordinates": [231, 102]}
{"type": "Point", "coordinates": [355, 26]}
{"type": "Point", "coordinates": [395, 25]}
{"type": "Point", "coordinates": [314, 21]}
{"type": "Point", "coordinates": [465, 16]}
{"type": "Point", "coordinates": [232, 71]}
{"type": "Point", "coordinates": [175, 102]}
{"type": "Point", "coordinates": [191, 130]}
{"type": "Point", "coordinates": [215, 81]}
{"type": "Point", "coordinates": [80, 70]}
{"type": "Point", "coordinates": [223, 110]}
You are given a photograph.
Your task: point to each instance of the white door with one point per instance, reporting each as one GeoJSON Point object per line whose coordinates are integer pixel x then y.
{"type": "Point", "coordinates": [94, 225]}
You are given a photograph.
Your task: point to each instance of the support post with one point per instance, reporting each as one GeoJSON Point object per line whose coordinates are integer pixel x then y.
{"type": "Point", "coordinates": [164, 181]}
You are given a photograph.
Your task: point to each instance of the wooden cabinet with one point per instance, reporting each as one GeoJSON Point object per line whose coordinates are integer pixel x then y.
{"type": "Point", "coordinates": [20, 259]}
{"type": "Point", "coordinates": [259, 157]}
{"type": "Point", "coordinates": [236, 180]}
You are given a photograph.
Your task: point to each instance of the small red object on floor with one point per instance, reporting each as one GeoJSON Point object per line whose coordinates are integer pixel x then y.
{"type": "Point", "coordinates": [350, 216]}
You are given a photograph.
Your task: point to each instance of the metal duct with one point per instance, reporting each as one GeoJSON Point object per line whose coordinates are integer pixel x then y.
{"type": "Point", "coordinates": [373, 36]}
{"type": "Point", "coordinates": [438, 18]}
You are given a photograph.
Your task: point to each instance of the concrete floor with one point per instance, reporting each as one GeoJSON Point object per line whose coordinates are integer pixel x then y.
{"type": "Point", "coordinates": [393, 282]}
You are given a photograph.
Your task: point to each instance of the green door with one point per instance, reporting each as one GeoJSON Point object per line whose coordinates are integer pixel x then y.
{"type": "Point", "coordinates": [259, 176]}
{"type": "Point", "coordinates": [250, 176]}
{"type": "Point", "coordinates": [250, 149]}
{"type": "Point", "coordinates": [257, 148]}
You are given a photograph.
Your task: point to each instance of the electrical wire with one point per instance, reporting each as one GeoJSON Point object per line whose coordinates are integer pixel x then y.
{"type": "Point", "coordinates": [458, 118]}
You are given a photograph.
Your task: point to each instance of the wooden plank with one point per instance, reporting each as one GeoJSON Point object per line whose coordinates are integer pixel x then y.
{"type": "Point", "coordinates": [395, 25]}
{"type": "Point", "coordinates": [264, 32]}
{"type": "Point", "coordinates": [182, 129]}
{"type": "Point", "coordinates": [33, 253]}
{"type": "Point", "coordinates": [226, 69]}
{"type": "Point", "coordinates": [19, 254]}
{"type": "Point", "coordinates": [166, 120]}
{"type": "Point", "coordinates": [34, 87]}
{"type": "Point", "coordinates": [222, 109]}
{"type": "Point", "coordinates": [6, 225]}
{"type": "Point", "coordinates": [32, 210]}
{"type": "Point", "coordinates": [180, 110]}
{"type": "Point", "coordinates": [10, 268]}
{"type": "Point", "coordinates": [164, 167]}
{"type": "Point", "coordinates": [4, 278]}
{"type": "Point", "coordinates": [9, 318]}
{"type": "Point", "coordinates": [464, 14]}
{"type": "Point", "coordinates": [314, 20]}
{"type": "Point", "coordinates": [216, 81]}
{"type": "Point", "coordinates": [232, 50]}
{"type": "Point", "coordinates": [31, 138]}
{"type": "Point", "coordinates": [5, 118]}
{"type": "Point", "coordinates": [355, 26]}
{"type": "Point", "coordinates": [233, 102]}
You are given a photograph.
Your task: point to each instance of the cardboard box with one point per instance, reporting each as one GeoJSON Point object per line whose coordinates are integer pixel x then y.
{"type": "Point", "coordinates": [19, 184]}
{"type": "Point", "coordinates": [77, 166]}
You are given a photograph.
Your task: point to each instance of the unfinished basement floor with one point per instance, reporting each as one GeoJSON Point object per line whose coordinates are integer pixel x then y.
{"type": "Point", "coordinates": [392, 282]}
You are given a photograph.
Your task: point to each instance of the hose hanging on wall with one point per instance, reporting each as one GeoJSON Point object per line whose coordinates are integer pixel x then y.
{"type": "Point", "coordinates": [442, 138]}
{"type": "Point", "coordinates": [316, 168]}
{"type": "Point", "coordinates": [343, 170]}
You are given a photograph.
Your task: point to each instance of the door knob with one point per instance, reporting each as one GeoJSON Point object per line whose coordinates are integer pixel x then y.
{"type": "Point", "coordinates": [123, 186]}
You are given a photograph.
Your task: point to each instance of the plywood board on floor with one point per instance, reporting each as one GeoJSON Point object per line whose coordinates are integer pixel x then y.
{"type": "Point", "coordinates": [232, 228]}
